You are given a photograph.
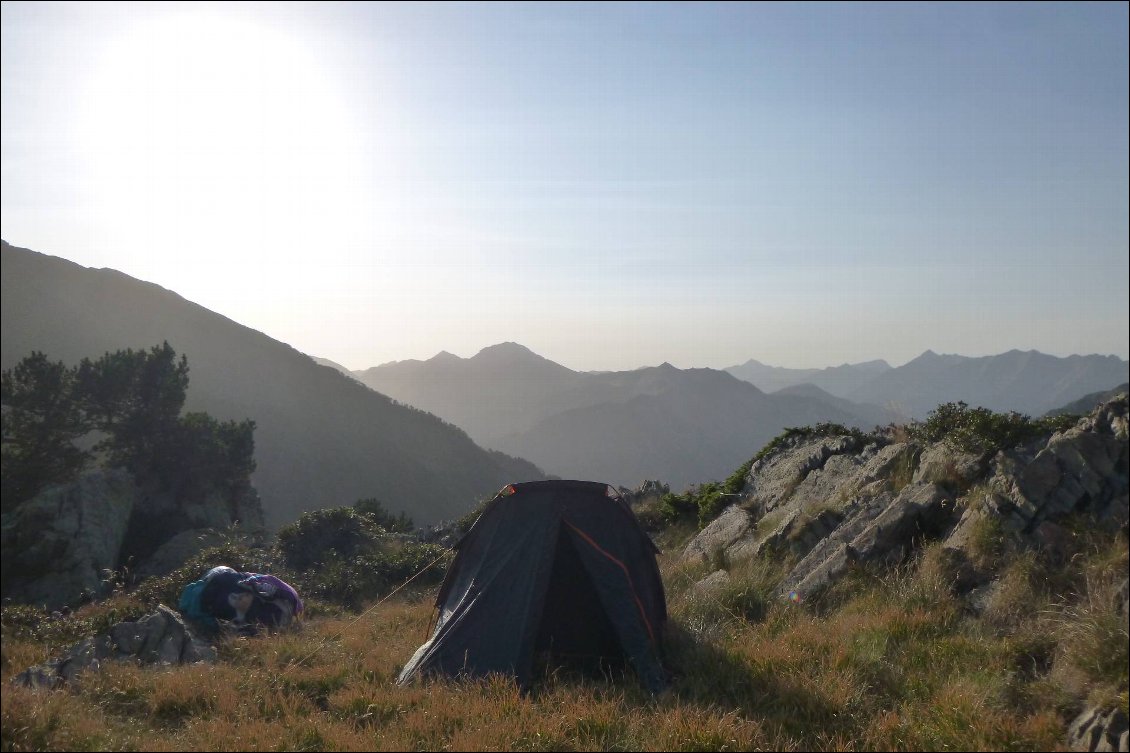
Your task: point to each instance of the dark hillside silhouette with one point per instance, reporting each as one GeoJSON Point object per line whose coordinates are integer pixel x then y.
{"type": "Point", "coordinates": [322, 439]}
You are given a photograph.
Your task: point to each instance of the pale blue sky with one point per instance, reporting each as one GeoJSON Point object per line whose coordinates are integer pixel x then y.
{"type": "Point", "coordinates": [611, 185]}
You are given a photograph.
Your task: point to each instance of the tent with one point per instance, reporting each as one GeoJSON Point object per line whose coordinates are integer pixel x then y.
{"type": "Point", "coordinates": [556, 571]}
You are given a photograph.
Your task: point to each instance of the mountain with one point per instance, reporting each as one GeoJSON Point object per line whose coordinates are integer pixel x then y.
{"type": "Point", "coordinates": [333, 365]}
{"type": "Point", "coordinates": [694, 425]}
{"type": "Point", "coordinates": [1029, 382]}
{"type": "Point", "coordinates": [503, 389]}
{"type": "Point", "coordinates": [1025, 381]}
{"type": "Point", "coordinates": [870, 415]}
{"type": "Point", "coordinates": [699, 424]}
{"type": "Point", "coordinates": [836, 380]}
{"type": "Point", "coordinates": [322, 438]}
{"type": "Point", "coordinates": [1087, 403]}
{"type": "Point", "coordinates": [681, 426]}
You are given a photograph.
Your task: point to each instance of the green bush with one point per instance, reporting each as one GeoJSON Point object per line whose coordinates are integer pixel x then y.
{"type": "Point", "coordinates": [353, 582]}
{"type": "Point", "coordinates": [675, 507]}
{"type": "Point", "coordinates": [826, 429]}
{"type": "Point", "coordinates": [374, 508]}
{"type": "Point", "coordinates": [701, 505]}
{"type": "Point", "coordinates": [735, 484]}
{"type": "Point", "coordinates": [323, 535]}
{"type": "Point", "coordinates": [982, 431]}
{"type": "Point", "coordinates": [342, 556]}
{"type": "Point", "coordinates": [711, 501]}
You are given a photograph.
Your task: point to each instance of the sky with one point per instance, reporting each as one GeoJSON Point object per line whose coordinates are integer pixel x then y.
{"type": "Point", "coordinates": [611, 185]}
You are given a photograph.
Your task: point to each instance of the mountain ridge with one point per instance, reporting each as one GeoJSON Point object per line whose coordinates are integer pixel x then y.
{"type": "Point", "coordinates": [681, 425]}
{"type": "Point", "coordinates": [1026, 381]}
{"type": "Point", "coordinates": [1029, 382]}
{"type": "Point", "coordinates": [509, 398]}
{"type": "Point", "coordinates": [322, 437]}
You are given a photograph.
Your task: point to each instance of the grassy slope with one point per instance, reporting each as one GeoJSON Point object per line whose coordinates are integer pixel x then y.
{"type": "Point", "coordinates": [885, 661]}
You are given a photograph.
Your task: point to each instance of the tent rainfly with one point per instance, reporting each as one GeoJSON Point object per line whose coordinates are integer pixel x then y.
{"type": "Point", "coordinates": [554, 571]}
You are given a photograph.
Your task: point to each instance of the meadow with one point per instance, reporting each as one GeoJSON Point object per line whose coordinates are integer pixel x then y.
{"type": "Point", "coordinates": [885, 660]}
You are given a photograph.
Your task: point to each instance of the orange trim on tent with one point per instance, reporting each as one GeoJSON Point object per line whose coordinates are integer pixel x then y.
{"type": "Point", "coordinates": [622, 566]}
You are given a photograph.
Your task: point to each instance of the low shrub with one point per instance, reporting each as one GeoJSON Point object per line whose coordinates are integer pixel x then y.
{"type": "Point", "coordinates": [342, 556]}
{"type": "Point", "coordinates": [321, 535]}
{"type": "Point", "coordinates": [701, 505]}
{"type": "Point", "coordinates": [375, 509]}
{"type": "Point", "coordinates": [352, 582]}
{"type": "Point", "coordinates": [983, 431]}
{"type": "Point", "coordinates": [826, 429]}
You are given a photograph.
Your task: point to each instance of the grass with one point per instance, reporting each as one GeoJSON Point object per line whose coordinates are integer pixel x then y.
{"type": "Point", "coordinates": [886, 660]}
{"type": "Point", "coordinates": [903, 472]}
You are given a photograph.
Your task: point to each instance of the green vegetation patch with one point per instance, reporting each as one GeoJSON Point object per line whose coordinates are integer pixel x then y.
{"type": "Point", "coordinates": [982, 431]}
{"type": "Point", "coordinates": [344, 556]}
{"type": "Point", "coordinates": [827, 429]}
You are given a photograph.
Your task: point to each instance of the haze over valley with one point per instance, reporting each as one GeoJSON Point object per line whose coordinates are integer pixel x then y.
{"type": "Point", "coordinates": [327, 436]}
{"type": "Point", "coordinates": [688, 425]}
{"type": "Point", "coordinates": [321, 439]}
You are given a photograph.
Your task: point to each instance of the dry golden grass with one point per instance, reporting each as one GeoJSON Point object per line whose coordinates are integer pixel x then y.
{"type": "Point", "coordinates": [892, 662]}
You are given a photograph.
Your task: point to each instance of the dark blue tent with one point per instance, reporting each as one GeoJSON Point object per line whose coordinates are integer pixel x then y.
{"type": "Point", "coordinates": [559, 571]}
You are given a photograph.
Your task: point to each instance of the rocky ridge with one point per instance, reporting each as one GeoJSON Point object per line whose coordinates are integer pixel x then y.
{"type": "Point", "coordinates": [827, 504]}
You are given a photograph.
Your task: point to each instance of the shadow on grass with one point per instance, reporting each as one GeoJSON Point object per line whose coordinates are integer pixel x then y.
{"type": "Point", "coordinates": [705, 675]}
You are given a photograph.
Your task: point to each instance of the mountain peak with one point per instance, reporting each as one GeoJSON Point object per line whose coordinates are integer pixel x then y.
{"type": "Point", "coordinates": [879, 364]}
{"type": "Point", "coordinates": [506, 349]}
{"type": "Point", "coordinates": [933, 358]}
{"type": "Point", "coordinates": [301, 445]}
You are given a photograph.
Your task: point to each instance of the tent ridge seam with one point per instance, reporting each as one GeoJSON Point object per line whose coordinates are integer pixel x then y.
{"type": "Point", "coordinates": [628, 575]}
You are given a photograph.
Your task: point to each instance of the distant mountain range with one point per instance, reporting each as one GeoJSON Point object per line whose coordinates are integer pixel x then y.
{"type": "Point", "coordinates": [325, 438]}
{"type": "Point", "coordinates": [1025, 381]}
{"type": "Point", "coordinates": [680, 426]}
{"type": "Point", "coordinates": [322, 438]}
{"type": "Point", "coordinates": [694, 425]}
{"type": "Point", "coordinates": [836, 380]}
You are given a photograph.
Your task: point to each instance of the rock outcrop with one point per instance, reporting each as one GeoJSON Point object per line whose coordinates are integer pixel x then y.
{"type": "Point", "coordinates": [59, 545]}
{"type": "Point", "coordinates": [734, 525]}
{"type": "Point", "coordinates": [1027, 490]}
{"type": "Point", "coordinates": [160, 638]}
{"type": "Point", "coordinates": [178, 550]}
{"type": "Point", "coordinates": [56, 545]}
{"type": "Point", "coordinates": [713, 583]}
{"type": "Point", "coordinates": [1100, 730]}
{"type": "Point", "coordinates": [827, 503]}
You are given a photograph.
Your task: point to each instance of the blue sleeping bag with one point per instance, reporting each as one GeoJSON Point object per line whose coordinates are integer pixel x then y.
{"type": "Point", "coordinates": [244, 599]}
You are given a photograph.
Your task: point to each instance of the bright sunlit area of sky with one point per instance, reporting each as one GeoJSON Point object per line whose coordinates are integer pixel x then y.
{"type": "Point", "coordinates": [611, 185]}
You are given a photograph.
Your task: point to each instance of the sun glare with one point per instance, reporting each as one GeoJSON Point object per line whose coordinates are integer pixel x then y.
{"type": "Point", "coordinates": [210, 133]}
